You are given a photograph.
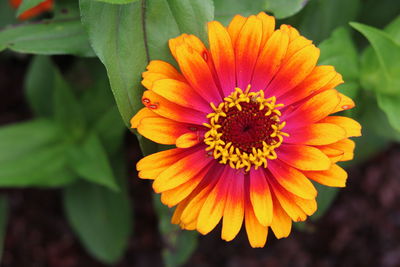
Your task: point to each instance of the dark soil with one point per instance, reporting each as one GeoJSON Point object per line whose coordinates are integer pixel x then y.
{"type": "Point", "coordinates": [362, 228]}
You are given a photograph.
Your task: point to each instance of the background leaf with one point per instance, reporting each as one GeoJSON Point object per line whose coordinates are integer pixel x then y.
{"type": "Point", "coordinates": [49, 37]}
{"type": "Point", "coordinates": [284, 8]}
{"type": "Point", "coordinates": [226, 9]}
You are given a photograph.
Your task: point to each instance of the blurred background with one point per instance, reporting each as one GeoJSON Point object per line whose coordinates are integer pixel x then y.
{"type": "Point", "coordinates": [69, 192]}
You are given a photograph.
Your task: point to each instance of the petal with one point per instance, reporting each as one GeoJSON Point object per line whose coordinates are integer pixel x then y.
{"type": "Point", "coordinates": [268, 26]}
{"type": "Point", "coordinates": [247, 48]}
{"type": "Point", "coordinates": [346, 146]}
{"type": "Point", "coordinates": [309, 206]}
{"type": "Point", "coordinates": [235, 26]}
{"type": "Point", "coordinates": [287, 202]}
{"type": "Point", "coordinates": [197, 72]}
{"type": "Point", "coordinates": [316, 134]}
{"type": "Point", "coordinates": [162, 130]}
{"type": "Point", "coordinates": [269, 60]}
{"type": "Point", "coordinates": [189, 139]}
{"type": "Point", "coordinates": [281, 223]}
{"type": "Point", "coordinates": [234, 208]}
{"type": "Point", "coordinates": [313, 110]}
{"type": "Point", "coordinates": [344, 104]}
{"type": "Point", "coordinates": [260, 196]}
{"type": "Point", "coordinates": [181, 93]}
{"type": "Point", "coordinates": [294, 71]}
{"type": "Point", "coordinates": [213, 208]}
{"type": "Point", "coordinates": [182, 170]}
{"type": "Point", "coordinates": [223, 56]}
{"type": "Point", "coordinates": [141, 114]}
{"type": "Point", "coordinates": [333, 154]}
{"type": "Point", "coordinates": [256, 233]}
{"type": "Point", "coordinates": [151, 166]}
{"type": "Point", "coordinates": [292, 180]}
{"type": "Point", "coordinates": [174, 196]}
{"type": "Point", "coordinates": [335, 176]}
{"type": "Point", "coordinates": [157, 70]}
{"type": "Point", "coordinates": [352, 127]}
{"type": "Point", "coordinates": [303, 157]}
{"type": "Point", "coordinates": [171, 110]}
{"type": "Point", "coordinates": [316, 80]}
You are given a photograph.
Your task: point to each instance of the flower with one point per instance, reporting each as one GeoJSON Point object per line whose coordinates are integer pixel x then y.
{"type": "Point", "coordinates": [250, 120]}
{"type": "Point", "coordinates": [44, 6]}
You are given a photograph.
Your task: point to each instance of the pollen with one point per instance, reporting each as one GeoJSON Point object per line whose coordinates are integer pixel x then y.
{"type": "Point", "coordinates": [244, 129]}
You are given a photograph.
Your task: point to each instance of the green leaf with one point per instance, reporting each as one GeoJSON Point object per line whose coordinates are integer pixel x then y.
{"type": "Point", "coordinates": [101, 218]}
{"type": "Point", "coordinates": [89, 160]}
{"type": "Point", "coordinates": [284, 8]}
{"type": "Point", "coordinates": [388, 54]}
{"type": "Point", "coordinates": [391, 106]}
{"type": "Point", "coordinates": [3, 222]}
{"type": "Point", "coordinates": [119, 2]}
{"type": "Point", "coordinates": [326, 195]}
{"type": "Point", "coordinates": [48, 37]}
{"type": "Point", "coordinates": [118, 41]}
{"type": "Point", "coordinates": [321, 17]}
{"type": "Point", "coordinates": [226, 9]}
{"type": "Point", "coordinates": [393, 29]}
{"type": "Point", "coordinates": [39, 85]}
{"type": "Point", "coordinates": [33, 154]}
{"type": "Point", "coordinates": [67, 110]}
{"type": "Point", "coordinates": [339, 50]}
{"type": "Point", "coordinates": [27, 4]}
{"type": "Point", "coordinates": [179, 244]}
{"type": "Point", "coordinates": [7, 15]}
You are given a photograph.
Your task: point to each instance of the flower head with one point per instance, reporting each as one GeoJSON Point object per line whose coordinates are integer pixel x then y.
{"type": "Point", "coordinates": [250, 118]}
{"type": "Point", "coordinates": [44, 6]}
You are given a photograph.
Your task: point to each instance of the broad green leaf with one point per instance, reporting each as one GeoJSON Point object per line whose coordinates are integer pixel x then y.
{"type": "Point", "coordinates": [27, 4]}
{"type": "Point", "coordinates": [3, 222]}
{"type": "Point", "coordinates": [67, 110]}
{"type": "Point", "coordinates": [33, 154]}
{"type": "Point", "coordinates": [48, 37]}
{"type": "Point", "coordinates": [339, 50]}
{"type": "Point", "coordinates": [179, 244]}
{"type": "Point", "coordinates": [391, 106]}
{"type": "Point", "coordinates": [284, 8]}
{"type": "Point", "coordinates": [119, 2]}
{"type": "Point", "coordinates": [388, 55]}
{"type": "Point", "coordinates": [118, 40]}
{"type": "Point", "coordinates": [7, 15]}
{"type": "Point", "coordinates": [101, 218]}
{"type": "Point", "coordinates": [39, 86]}
{"type": "Point", "coordinates": [378, 13]}
{"type": "Point", "coordinates": [90, 161]}
{"type": "Point", "coordinates": [321, 17]}
{"type": "Point", "coordinates": [225, 10]}
{"type": "Point", "coordinates": [393, 29]}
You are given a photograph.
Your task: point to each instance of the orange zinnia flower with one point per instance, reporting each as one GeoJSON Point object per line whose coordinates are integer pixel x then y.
{"type": "Point", "coordinates": [35, 11]}
{"type": "Point", "coordinates": [250, 119]}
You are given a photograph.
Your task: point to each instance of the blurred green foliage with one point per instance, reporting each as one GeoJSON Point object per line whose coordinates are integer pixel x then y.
{"type": "Point", "coordinates": [76, 134]}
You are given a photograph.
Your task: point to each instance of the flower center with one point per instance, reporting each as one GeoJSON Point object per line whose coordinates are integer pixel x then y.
{"type": "Point", "coordinates": [244, 129]}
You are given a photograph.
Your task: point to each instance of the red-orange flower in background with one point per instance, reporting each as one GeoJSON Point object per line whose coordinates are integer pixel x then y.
{"type": "Point", "coordinates": [250, 119]}
{"type": "Point", "coordinates": [44, 6]}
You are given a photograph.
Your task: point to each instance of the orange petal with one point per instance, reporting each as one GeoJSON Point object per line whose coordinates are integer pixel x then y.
{"type": "Point", "coordinates": [352, 127]}
{"type": "Point", "coordinates": [292, 32]}
{"type": "Point", "coordinates": [294, 71]}
{"type": "Point", "coordinates": [196, 70]}
{"type": "Point", "coordinates": [344, 104]}
{"type": "Point", "coordinates": [303, 157]}
{"type": "Point", "coordinates": [223, 56]}
{"type": "Point", "coordinates": [268, 26]}
{"type": "Point", "coordinates": [292, 180]}
{"type": "Point", "coordinates": [141, 114]}
{"type": "Point", "coordinates": [234, 208]}
{"type": "Point", "coordinates": [316, 134]}
{"type": "Point", "coordinates": [182, 170]}
{"type": "Point", "coordinates": [309, 206]}
{"type": "Point", "coordinates": [318, 78]}
{"type": "Point", "coordinates": [313, 110]}
{"type": "Point", "coordinates": [247, 48]}
{"type": "Point", "coordinates": [235, 26]}
{"type": "Point", "coordinates": [335, 176]}
{"type": "Point", "coordinates": [287, 202]}
{"type": "Point", "coordinates": [178, 194]}
{"type": "Point", "coordinates": [334, 155]}
{"type": "Point", "coordinates": [188, 139]}
{"type": "Point", "coordinates": [281, 223]}
{"type": "Point", "coordinates": [171, 110]}
{"type": "Point", "coordinates": [260, 196]}
{"type": "Point", "coordinates": [157, 70]}
{"type": "Point", "coordinates": [256, 233]}
{"type": "Point", "coordinates": [151, 166]}
{"type": "Point", "coordinates": [346, 146]}
{"type": "Point", "coordinates": [269, 60]}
